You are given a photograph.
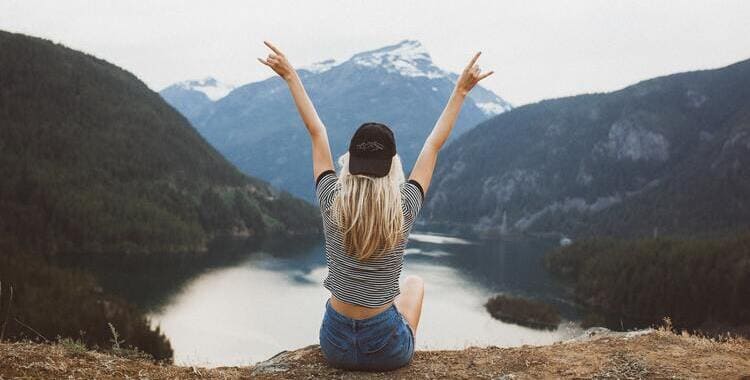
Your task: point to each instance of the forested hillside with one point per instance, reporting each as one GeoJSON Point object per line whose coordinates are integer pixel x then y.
{"type": "Point", "coordinates": [92, 160]}
{"type": "Point", "coordinates": [667, 156]}
{"type": "Point", "coordinates": [698, 283]}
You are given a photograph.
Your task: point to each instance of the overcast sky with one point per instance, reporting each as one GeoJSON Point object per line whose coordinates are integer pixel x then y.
{"type": "Point", "coordinates": [537, 49]}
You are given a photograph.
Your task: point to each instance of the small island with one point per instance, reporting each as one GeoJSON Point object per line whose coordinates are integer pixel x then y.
{"type": "Point", "coordinates": [524, 312]}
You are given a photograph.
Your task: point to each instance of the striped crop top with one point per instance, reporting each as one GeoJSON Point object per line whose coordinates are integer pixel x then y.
{"type": "Point", "coordinates": [372, 282]}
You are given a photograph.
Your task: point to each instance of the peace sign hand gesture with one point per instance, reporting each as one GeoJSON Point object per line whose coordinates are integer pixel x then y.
{"type": "Point", "coordinates": [278, 62]}
{"type": "Point", "coordinates": [470, 76]}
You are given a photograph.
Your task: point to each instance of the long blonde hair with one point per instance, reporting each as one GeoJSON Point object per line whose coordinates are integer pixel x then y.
{"type": "Point", "coordinates": [368, 209]}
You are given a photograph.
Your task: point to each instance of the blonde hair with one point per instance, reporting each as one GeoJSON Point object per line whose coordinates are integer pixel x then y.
{"type": "Point", "coordinates": [368, 210]}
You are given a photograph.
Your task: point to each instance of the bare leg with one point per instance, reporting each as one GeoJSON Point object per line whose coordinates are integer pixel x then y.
{"type": "Point", "coordinates": [409, 302]}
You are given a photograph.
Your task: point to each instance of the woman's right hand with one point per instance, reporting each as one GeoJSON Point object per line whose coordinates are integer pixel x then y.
{"type": "Point", "coordinates": [277, 62]}
{"type": "Point", "coordinates": [470, 76]}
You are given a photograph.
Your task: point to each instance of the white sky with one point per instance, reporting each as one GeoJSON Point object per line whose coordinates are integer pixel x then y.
{"type": "Point", "coordinates": [538, 49]}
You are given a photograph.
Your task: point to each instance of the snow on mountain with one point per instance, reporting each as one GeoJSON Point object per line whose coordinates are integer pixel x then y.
{"type": "Point", "coordinates": [411, 59]}
{"type": "Point", "coordinates": [213, 89]}
{"type": "Point", "coordinates": [485, 100]}
{"type": "Point", "coordinates": [492, 108]}
{"type": "Point", "coordinates": [408, 58]}
{"type": "Point", "coordinates": [319, 67]}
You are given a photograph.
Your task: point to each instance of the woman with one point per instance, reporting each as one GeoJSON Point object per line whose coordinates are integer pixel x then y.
{"type": "Point", "coordinates": [368, 210]}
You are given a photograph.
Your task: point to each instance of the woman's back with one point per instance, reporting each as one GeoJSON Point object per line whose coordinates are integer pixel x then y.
{"type": "Point", "coordinates": [372, 282]}
{"type": "Point", "coordinates": [362, 328]}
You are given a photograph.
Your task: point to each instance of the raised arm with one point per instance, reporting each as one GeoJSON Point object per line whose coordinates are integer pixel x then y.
{"type": "Point", "coordinates": [425, 164]}
{"type": "Point", "coordinates": [321, 150]}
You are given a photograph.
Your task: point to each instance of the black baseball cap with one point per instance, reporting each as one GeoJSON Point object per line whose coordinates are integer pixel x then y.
{"type": "Point", "coordinates": [371, 150]}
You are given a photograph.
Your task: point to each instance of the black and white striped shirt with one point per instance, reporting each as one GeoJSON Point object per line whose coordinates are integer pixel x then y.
{"type": "Point", "coordinates": [373, 282]}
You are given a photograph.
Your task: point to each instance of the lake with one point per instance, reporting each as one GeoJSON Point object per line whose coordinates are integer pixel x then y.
{"type": "Point", "coordinates": [239, 305]}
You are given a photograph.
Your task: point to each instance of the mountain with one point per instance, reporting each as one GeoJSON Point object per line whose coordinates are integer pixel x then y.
{"type": "Point", "coordinates": [256, 126]}
{"type": "Point", "coordinates": [666, 156]}
{"type": "Point", "coordinates": [195, 97]}
{"type": "Point", "coordinates": [211, 88]}
{"type": "Point", "coordinates": [92, 160]}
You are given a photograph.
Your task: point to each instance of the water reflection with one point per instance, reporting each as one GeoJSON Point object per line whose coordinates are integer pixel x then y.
{"type": "Point", "coordinates": [272, 299]}
{"type": "Point", "coordinates": [514, 266]}
{"type": "Point", "coordinates": [151, 280]}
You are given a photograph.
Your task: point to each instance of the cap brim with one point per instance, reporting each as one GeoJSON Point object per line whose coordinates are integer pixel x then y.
{"type": "Point", "coordinates": [370, 167]}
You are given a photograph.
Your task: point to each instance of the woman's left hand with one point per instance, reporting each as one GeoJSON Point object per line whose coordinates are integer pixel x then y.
{"type": "Point", "coordinates": [470, 76]}
{"type": "Point", "coordinates": [278, 62]}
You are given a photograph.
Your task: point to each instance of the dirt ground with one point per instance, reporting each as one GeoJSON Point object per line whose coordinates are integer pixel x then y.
{"type": "Point", "coordinates": [600, 355]}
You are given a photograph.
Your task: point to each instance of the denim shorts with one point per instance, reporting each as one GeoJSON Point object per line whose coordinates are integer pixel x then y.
{"type": "Point", "coordinates": [380, 343]}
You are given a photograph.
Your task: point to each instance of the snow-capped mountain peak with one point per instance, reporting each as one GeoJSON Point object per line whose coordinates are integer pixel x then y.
{"type": "Point", "coordinates": [408, 58]}
{"type": "Point", "coordinates": [213, 88]}
{"type": "Point", "coordinates": [321, 66]}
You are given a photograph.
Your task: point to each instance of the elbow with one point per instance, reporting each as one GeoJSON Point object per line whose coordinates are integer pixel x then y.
{"type": "Point", "coordinates": [317, 130]}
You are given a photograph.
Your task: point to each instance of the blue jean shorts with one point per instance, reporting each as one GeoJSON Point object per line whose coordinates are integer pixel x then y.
{"type": "Point", "coordinates": [380, 343]}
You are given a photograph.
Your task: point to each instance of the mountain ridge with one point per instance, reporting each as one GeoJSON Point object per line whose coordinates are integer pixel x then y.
{"type": "Point", "coordinates": [93, 160]}
{"type": "Point", "coordinates": [572, 165]}
{"type": "Point", "coordinates": [257, 127]}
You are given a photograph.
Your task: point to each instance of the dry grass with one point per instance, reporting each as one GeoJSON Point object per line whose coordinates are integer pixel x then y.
{"type": "Point", "coordinates": [653, 354]}
{"type": "Point", "coordinates": [26, 360]}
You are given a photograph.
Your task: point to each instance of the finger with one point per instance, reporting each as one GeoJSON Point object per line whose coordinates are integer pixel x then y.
{"type": "Point", "coordinates": [474, 60]}
{"type": "Point", "coordinates": [485, 75]}
{"type": "Point", "coordinates": [272, 56]}
{"type": "Point", "coordinates": [274, 48]}
{"type": "Point", "coordinates": [264, 62]}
